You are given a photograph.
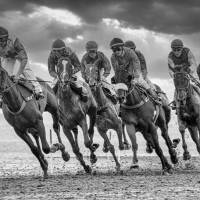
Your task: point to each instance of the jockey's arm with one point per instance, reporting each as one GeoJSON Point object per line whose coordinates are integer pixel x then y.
{"type": "Point", "coordinates": [171, 66]}
{"type": "Point", "coordinates": [21, 56]}
{"type": "Point", "coordinates": [134, 67]}
{"type": "Point", "coordinates": [143, 65]}
{"type": "Point", "coordinates": [52, 66]}
{"type": "Point", "coordinates": [106, 66]}
{"type": "Point", "coordinates": [75, 62]}
{"type": "Point", "coordinates": [193, 64]}
{"type": "Point", "coordinates": [83, 68]}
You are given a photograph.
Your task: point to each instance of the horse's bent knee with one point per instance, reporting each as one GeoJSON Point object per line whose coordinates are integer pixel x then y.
{"type": "Point", "coordinates": [46, 150]}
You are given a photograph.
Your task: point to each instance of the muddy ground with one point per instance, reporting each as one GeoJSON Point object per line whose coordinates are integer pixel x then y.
{"type": "Point", "coordinates": [21, 178]}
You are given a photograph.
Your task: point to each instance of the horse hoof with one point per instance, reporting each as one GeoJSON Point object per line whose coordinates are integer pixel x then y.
{"type": "Point", "coordinates": [149, 150]}
{"type": "Point", "coordinates": [105, 149]}
{"type": "Point", "coordinates": [186, 156]}
{"type": "Point", "coordinates": [88, 169]}
{"type": "Point", "coordinates": [95, 146]}
{"type": "Point", "coordinates": [134, 166]}
{"type": "Point", "coordinates": [93, 159]}
{"type": "Point", "coordinates": [45, 176]}
{"type": "Point", "coordinates": [118, 171]}
{"type": "Point", "coordinates": [175, 142]}
{"type": "Point", "coordinates": [65, 156]}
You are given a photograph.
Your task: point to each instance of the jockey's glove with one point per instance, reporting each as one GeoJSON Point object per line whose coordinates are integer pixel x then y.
{"type": "Point", "coordinates": [14, 78]}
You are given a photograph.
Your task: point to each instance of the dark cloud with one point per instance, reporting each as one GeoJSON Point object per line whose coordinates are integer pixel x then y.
{"type": "Point", "coordinates": [168, 16]}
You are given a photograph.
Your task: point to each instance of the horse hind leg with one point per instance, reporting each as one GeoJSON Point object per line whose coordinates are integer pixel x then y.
{"type": "Point", "coordinates": [165, 165]}
{"type": "Point", "coordinates": [43, 162]}
{"type": "Point", "coordinates": [110, 147]}
{"type": "Point", "coordinates": [164, 131]}
{"type": "Point", "coordinates": [195, 137]}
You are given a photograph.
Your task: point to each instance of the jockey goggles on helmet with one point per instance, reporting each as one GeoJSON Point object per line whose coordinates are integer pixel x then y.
{"type": "Point", "coordinates": [117, 48]}
{"type": "Point", "coordinates": [176, 49]}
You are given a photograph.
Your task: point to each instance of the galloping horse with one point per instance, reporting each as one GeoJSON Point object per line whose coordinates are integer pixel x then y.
{"type": "Point", "coordinates": [107, 116]}
{"type": "Point", "coordinates": [24, 114]}
{"type": "Point", "coordinates": [73, 111]}
{"type": "Point", "coordinates": [187, 108]}
{"type": "Point", "coordinates": [137, 112]}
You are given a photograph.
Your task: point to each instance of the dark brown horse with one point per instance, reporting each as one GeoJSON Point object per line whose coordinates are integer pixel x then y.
{"type": "Point", "coordinates": [162, 121]}
{"type": "Point", "coordinates": [187, 108]}
{"type": "Point", "coordinates": [73, 113]}
{"type": "Point", "coordinates": [137, 112]}
{"type": "Point", "coordinates": [107, 117]}
{"type": "Point", "coordinates": [24, 114]}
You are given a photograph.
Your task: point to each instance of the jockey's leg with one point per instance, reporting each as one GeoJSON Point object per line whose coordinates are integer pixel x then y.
{"type": "Point", "coordinates": [78, 87]}
{"type": "Point", "coordinates": [150, 89]}
{"type": "Point", "coordinates": [29, 75]}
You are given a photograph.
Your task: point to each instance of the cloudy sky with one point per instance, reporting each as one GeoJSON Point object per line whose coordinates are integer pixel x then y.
{"type": "Point", "coordinates": [151, 24]}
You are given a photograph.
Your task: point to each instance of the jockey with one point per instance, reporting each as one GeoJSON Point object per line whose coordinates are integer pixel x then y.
{"type": "Point", "coordinates": [131, 45]}
{"type": "Point", "coordinates": [126, 64]}
{"type": "Point", "coordinates": [11, 50]}
{"type": "Point", "coordinates": [181, 56]}
{"type": "Point", "coordinates": [95, 65]}
{"type": "Point", "coordinates": [60, 52]}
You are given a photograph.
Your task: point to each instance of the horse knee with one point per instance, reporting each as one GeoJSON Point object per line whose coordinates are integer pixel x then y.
{"type": "Point", "coordinates": [46, 150]}
{"type": "Point", "coordinates": [87, 144]}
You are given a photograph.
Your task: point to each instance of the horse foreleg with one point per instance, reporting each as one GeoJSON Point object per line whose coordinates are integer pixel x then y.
{"type": "Point", "coordinates": [75, 131]}
{"type": "Point", "coordinates": [126, 143]}
{"type": "Point", "coordinates": [132, 135]}
{"type": "Point", "coordinates": [76, 150]}
{"type": "Point", "coordinates": [43, 163]}
{"type": "Point", "coordinates": [195, 136]}
{"type": "Point", "coordinates": [186, 154]}
{"type": "Point", "coordinates": [87, 141]}
{"type": "Point", "coordinates": [92, 115]}
{"type": "Point", "coordinates": [165, 165]}
{"type": "Point", "coordinates": [110, 147]}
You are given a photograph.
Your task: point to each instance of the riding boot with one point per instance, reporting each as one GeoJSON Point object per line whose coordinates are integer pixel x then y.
{"type": "Point", "coordinates": [154, 96]}
{"type": "Point", "coordinates": [114, 99]}
{"type": "Point", "coordinates": [1, 101]}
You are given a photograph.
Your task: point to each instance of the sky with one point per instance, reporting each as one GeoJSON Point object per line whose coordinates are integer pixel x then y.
{"type": "Point", "coordinates": [151, 24]}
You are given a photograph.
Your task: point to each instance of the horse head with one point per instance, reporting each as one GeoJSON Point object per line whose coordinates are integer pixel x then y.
{"type": "Point", "coordinates": [182, 85]}
{"type": "Point", "coordinates": [64, 72]}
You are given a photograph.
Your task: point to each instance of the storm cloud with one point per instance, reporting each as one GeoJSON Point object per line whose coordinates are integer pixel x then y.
{"type": "Point", "coordinates": [171, 16]}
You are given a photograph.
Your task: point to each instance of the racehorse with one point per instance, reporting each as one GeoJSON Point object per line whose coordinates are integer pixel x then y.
{"type": "Point", "coordinates": [24, 113]}
{"type": "Point", "coordinates": [137, 112]}
{"type": "Point", "coordinates": [73, 111]}
{"type": "Point", "coordinates": [187, 107]}
{"type": "Point", "coordinates": [107, 115]}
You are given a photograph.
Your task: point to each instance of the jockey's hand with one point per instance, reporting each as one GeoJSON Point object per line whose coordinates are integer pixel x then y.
{"type": "Point", "coordinates": [14, 78]}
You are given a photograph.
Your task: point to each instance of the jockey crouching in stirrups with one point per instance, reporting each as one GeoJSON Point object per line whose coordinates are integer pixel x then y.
{"type": "Point", "coordinates": [95, 65]}
{"type": "Point", "coordinates": [126, 64]}
{"type": "Point", "coordinates": [11, 50]}
{"type": "Point", "coordinates": [181, 57]}
{"type": "Point", "coordinates": [60, 52]}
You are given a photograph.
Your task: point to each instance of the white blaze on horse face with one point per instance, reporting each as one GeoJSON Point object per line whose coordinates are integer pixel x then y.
{"type": "Point", "coordinates": [64, 63]}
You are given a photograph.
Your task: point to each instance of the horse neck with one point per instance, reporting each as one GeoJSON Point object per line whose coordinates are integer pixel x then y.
{"type": "Point", "coordinates": [67, 96]}
{"type": "Point", "coordinates": [133, 97]}
{"type": "Point", "coordinates": [12, 97]}
{"type": "Point", "coordinates": [100, 96]}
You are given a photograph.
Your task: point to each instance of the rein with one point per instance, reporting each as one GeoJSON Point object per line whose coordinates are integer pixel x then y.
{"type": "Point", "coordinates": [134, 106]}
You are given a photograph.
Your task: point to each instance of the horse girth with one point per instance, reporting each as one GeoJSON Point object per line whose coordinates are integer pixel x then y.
{"type": "Point", "coordinates": [129, 107]}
